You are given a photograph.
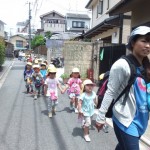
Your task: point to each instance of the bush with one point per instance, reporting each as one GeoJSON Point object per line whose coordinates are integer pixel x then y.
{"type": "Point", "coordinates": [2, 52]}
{"type": "Point", "coordinates": [64, 76]}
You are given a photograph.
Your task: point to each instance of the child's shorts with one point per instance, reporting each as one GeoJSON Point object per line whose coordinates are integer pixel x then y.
{"type": "Point", "coordinates": [71, 95]}
{"type": "Point", "coordinates": [87, 121]}
{"type": "Point", "coordinates": [37, 89]}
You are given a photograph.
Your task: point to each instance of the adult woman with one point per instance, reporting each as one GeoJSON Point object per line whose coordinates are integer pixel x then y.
{"type": "Point", "coordinates": [129, 120]}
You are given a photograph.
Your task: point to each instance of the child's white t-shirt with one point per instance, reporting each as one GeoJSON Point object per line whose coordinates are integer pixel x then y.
{"type": "Point", "coordinates": [52, 86]}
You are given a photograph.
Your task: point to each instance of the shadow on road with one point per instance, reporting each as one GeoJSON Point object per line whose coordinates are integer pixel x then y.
{"type": "Point", "coordinates": [45, 112]}
{"type": "Point", "coordinates": [77, 131]}
{"type": "Point", "coordinates": [66, 109]}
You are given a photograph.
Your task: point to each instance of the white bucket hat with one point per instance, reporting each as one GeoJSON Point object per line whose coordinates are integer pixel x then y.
{"type": "Point", "coordinates": [75, 70]}
{"type": "Point", "coordinates": [141, 30]}
{"type": "Point", "coordinates": [29, 63]}
{"type": "Point", "coordinates": [36, 66]}
{"type": "Point", "coordinates": [88, 81]}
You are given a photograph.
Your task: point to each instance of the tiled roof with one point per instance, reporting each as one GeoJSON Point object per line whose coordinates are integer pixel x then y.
{"type": "Point", "coordinates": [83, 16]}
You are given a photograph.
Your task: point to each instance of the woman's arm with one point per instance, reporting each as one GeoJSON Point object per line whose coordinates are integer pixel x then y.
{"type": "Point", "coordinates": [119, 75]}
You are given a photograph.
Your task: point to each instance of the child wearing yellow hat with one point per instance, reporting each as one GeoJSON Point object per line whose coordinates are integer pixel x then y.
{"type": "Point", "coordinates": [51, 92]}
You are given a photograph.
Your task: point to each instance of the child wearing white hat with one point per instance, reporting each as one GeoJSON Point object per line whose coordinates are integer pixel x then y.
{"type": "Point", "coordinates": [86, 106]}
{"type": "Point", "coordinates": [74, 87]}
{"type": "Point", "coordinates": [37, 80]}
{"type": "Point", "coordinates": [28, 77]}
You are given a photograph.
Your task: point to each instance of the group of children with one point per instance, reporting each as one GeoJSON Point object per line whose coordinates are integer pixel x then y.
{"type": "Point", "coordinates": [82, 97]}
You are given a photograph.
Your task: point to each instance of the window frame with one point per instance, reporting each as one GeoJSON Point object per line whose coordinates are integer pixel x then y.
{"type": "Point", "coordinates": [77, 24]}
{"type": "Point", "coordinates": [19, 44]}
{"type": "Point", "coordinates": [100, 8]}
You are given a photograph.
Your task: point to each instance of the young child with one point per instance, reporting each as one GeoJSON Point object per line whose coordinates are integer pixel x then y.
{"type": "Point", "coordinates": [74, 86]}
{"type": "Point", "coordinates": [28, 77]}
{"type": "Point", "coordinates": [86, 107]}
{"type": "Point", "coordinates": [50, 90]}
{"type": "Point", "coordinates": [38, 80]}
{"type": "Point", "coordinates": [43, 71]}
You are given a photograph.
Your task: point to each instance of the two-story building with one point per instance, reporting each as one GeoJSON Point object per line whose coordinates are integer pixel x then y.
{"type": "Point", "coordinates": [114, 29]}
{"type": "Point", "coordinates": [53, 21]}
{"type": "Point", "coordinates": [77, 23]}
{"type": "Point", "coordinates": [140, 11]}
{"type": "Point", "coordinates": [2, 32]}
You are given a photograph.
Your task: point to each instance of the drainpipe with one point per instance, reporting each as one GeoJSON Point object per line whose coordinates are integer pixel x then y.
{"type": "Point", "coordinates": [121, 28]}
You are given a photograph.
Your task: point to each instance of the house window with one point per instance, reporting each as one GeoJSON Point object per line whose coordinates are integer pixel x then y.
{"type": "Point", "coordinates": [19, 43]}
{"type": "Point", "coordinates": [100, 8]}
{"type": "Point", "coordinates": [107, 4]}
{"type": "Point", "coordinates": [78, 24]}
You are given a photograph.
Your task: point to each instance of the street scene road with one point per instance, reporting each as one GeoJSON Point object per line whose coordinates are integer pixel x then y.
{"type": "Point", "coordinates": [26, 126]}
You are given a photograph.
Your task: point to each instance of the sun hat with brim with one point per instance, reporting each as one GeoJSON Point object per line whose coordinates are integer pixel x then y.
{"type": "Point", "coordinates": [88, 81]}
{"type": "Point", "coordinates": [36, 66]}
{"type": "Point", "coordinates": [52, 70]}
{"type": "Point", "coordinates": [43, 64]}
{"type": "Point", "coordinates": [75, 70]}
{"type": "Point", "coordinates": [141, 30]}
{"type": "Point", "coordinates": [29, 63]}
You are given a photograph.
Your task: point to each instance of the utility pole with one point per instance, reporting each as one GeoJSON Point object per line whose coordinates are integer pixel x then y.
{"type": "Point", "coordinates": [29, 27]}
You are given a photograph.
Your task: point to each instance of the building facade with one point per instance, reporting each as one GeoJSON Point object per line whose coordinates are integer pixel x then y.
{"type": "Point", "coordinates": [19, 42]}
{"type": "Point", "coordinates": [53, 21]}
{"type": "Point", "coordinates": [109, 29]}
{"type": "Point", "coordinates": [139, 14]}
{"type": "Point", "coordinates": [2, 32]}
{"type": "Point", "coordinates": [77, 23]}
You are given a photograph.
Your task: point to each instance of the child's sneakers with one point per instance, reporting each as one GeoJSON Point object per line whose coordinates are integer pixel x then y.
{"type": "Point", "coordinates": [87, 138]}
{"type": "Point", "coordinates": [35, 97]}
{"type": "Point", "coordinates": [54, 111]}
{"type": "Point", "coordinates": [71, 107]}
{"type": "Point", "coordinates": [105, 128]}
{"type": "Point", "coordinates": [50, 115]}
{"type": "Point", "coordinates": [27, 90]}
{"type": "Point", "coordinates": [76, 110]}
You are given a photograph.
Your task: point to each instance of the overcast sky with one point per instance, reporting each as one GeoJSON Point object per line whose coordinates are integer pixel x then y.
{"type": "Point", "coordinates": [13, 11]}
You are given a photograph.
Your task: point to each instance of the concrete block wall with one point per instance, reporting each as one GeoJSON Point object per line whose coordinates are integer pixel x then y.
{"type": "Point", "coordinates": [77, 54]}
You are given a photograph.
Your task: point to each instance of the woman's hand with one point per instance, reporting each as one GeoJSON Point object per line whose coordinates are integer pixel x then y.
{"type": "Point", "coordinates": [99, 126]}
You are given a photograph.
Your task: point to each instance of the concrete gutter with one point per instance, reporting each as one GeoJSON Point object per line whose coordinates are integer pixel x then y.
{"type": "Point", "coordinates": [6, 69]}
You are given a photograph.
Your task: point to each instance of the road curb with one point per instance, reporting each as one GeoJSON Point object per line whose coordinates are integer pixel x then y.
{"type": "Point", "coordinates": [145, 140]}
{"type": "Point", "coordinates": [7, 68]}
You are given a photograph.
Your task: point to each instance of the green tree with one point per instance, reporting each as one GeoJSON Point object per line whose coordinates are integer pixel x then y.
{"type": "Point", "coordinates": [48, 34]}
{"type": "Point", "coordinates": [37, 41]}
{"type": "Point", "coordinates": [2, 51]}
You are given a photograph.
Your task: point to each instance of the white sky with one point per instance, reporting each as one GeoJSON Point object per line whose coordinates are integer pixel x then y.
{"type": "Point", "coordinates": [13, 11]}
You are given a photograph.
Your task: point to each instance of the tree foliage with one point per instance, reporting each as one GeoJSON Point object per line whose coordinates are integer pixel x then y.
{"type": "Point", "coordinates": [2, 51]}
{"type": "Point", "coordinates": [37, 41]}
{"type": "Point", "coordinates": [48, 34]}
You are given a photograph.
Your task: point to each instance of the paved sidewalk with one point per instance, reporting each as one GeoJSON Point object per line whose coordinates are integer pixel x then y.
{"type": "Point", "coordinates": [5, 66]}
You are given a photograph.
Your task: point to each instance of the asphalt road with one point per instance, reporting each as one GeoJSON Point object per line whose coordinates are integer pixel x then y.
{"type": "Point", "coordinates": [24, 124]}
